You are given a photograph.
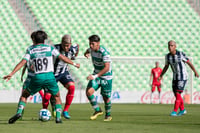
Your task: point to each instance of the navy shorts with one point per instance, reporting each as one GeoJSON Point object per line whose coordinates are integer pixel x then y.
{"type": "Point", "coordinates": [64, 78]}
{"type": "Point", "coordinates": [178, 85]}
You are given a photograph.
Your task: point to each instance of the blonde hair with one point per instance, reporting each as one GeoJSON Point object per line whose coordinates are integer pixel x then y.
{"type": "Point", "coordinates": [66, 39]}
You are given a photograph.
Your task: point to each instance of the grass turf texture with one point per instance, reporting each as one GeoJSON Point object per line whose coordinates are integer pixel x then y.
{"type": "Point", "coordinates": [127, 118]}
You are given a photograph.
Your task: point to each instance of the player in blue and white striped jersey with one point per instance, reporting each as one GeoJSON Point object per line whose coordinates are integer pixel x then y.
{"type": "Point", "coordinates": [62, 74]}
{"type": "Point", "coordinates": [177, 59]}
{"type": "Point", "coordinates": [101, 77]}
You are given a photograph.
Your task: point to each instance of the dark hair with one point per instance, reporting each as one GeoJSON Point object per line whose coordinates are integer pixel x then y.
{"type": "Point", "coordinates": [33, 36]}
{"type": "Point", "coordinates": [40, 36]}
{"type": "Point", "coordinates": [94, 38]}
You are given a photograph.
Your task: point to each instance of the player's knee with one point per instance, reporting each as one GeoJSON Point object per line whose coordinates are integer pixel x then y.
{"type": "Point", "coordinates": [71, 89]}
{"type": "Point", "coordinates": [57, 98]}
{"type": "Point", "coordinates": [106, 100]}
{"type": "Point", "coordinates": [47, 96]}
{"type": "Point", "coordinates": [25, 94]}
{"type": "Point", "coordinates": [89, 91]}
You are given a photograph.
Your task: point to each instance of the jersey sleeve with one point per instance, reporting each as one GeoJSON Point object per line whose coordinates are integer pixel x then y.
{"type": "Point", "coordinates": [184, 57]}
{"type": "Point", "coordinates": [74, 50]}
{"type": "Point", "coordinates": [55, 52]}
{"type": "Point", "coordinates": [106, 56]}
{"type": "Point", "coordinates": [27, 55]}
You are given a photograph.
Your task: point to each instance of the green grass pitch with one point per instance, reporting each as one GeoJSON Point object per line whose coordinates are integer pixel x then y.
{"type": "Point", "coordinates": [127, 118]}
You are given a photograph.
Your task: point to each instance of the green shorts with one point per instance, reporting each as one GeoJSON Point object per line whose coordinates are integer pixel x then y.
{"type": "Point", "coordinates": [26, 82]}
{"type": "Point", "coordinates": [106, 86]}
{"type": "Point", "coordinates": [40, 81]}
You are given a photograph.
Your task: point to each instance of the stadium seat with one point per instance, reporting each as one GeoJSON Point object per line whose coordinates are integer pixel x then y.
{"type": "Point", "coordinates": [138, 28]}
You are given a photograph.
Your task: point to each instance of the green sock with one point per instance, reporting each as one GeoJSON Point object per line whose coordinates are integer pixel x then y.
{"type": "Point", "coordinates": [108, 108]}
{"type": "Point", "coordinates": [21, 106]}
{"type": "Point", "coordinates": [58, 110]}
{"type": "Point", "coordinates": [93, 102]}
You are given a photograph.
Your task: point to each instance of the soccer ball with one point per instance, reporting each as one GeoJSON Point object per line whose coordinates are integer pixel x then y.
{"type": "Point", "coordinates": [44, 115]}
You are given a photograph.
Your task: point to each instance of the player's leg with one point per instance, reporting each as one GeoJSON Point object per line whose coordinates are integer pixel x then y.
{"type": "Point", "coordinates": [58, 107]}
{"type": "Point", "coordinates": [92, 86]}
{"type": "Point", "coordinates": [21, 105]}
{"type": "Point", "coordinates": [67, 81]}
{"type": "Point", "coordinates": [178, 87]}
{"type": "Point", "coordinates": [177, 101]}
{"type": "Point", "coordinates": [53, 106]}
{"type": "Point", "coordinates": [108, 105]}
{"type": "Point", "coordinates": [26, 84]}
{"type": "Point", "coordinates": [41, 94]}
{"type": "Point", "coordinates": [69, 97]}
{"type": "Point", "coordinates": [52, 87]}
{"type": "Point", "coordinates": [159, 92]}
{"type": "Point", "coordinates": [152, 91]}
{"type": "Point", "coordinates": [106, 89]}
{"type": "Point", "coordinates": [46, 99]}
{"type": "Point", "coordinates": [181, 89]}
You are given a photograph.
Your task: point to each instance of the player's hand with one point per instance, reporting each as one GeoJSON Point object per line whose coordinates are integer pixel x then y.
{"type": "Point", "coordinates": [77, 65]}
{"type": "Point", "coordinates": [197, 75]}
{"type": "Point", "coordinates": [7, 77]}
{"type": "Point", "coordinates": [87, 55]}
{"type": "Point", "coordinates": [90, 77]}
{"type": "Point", "coordinates": [159, 78]}
{"type": "Point", "coordinates": [32, 68]}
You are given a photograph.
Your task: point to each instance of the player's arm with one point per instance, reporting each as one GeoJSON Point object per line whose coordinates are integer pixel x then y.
{"type": "Point", "coordinates": [77, 51]}
{"type": "Point", "coordinates": [164, 71]}
{"type": "Point", "coordinates": [87, 53]}
{"type": "Point", "coordinates": [104, 70]}
{"type": "Point", "coordinates": [161, 80]}
{"type": "Point", "coordinates": [193, 68]}
{"type": "Point", "coordinates": [68, 61]}
{"type": "Point", "coordinates": [23, 71]}
{"type": "Point", "coordinates": [17, 67]}
{"type": "Point", "coordinates": [151, 75]}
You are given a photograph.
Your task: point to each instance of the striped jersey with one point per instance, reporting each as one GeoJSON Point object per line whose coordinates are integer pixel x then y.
{"type": "Point", "coordinates": [60, 66]}
{"type": "Point", "coordinates": [41, 57]}
{"type": "Point", "coordinates": [98, 59]}
{"type": "Point", "coordinates": [177, 63]}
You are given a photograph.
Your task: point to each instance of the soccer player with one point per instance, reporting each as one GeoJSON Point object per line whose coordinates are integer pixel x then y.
{"type": "Point", "coordinates": [30, 71]}
{"type": "Point", "coordinates": [177, 59]}
{"type": "Point", "coordinates": [28, 66]}
{"type": "Point", "coordinates": [155, 73]}
{"type": "Point", "coordinates": [41, 56]}
{"type": "Point", "coordinates": [62, 74]}
{"type": "Point", "coordinates": [101, 77]}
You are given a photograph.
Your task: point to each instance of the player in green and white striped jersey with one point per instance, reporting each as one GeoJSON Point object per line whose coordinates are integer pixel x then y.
{"type": "Point", "coordinates": [41, 56]}
{"type": "Point", "coordinates": [101, 77]}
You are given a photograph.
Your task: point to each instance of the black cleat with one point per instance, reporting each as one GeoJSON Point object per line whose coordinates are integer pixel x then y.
{"type": "Point", "coordinates": [14, 118]}
{"type": "Point", "coordinates": [58, 120]}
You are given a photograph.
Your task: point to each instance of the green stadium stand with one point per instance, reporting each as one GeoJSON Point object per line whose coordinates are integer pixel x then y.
{"type": "Point", "coordinates": [128, 28]}
{"type": "Point", "coordinates": [13, 40]}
